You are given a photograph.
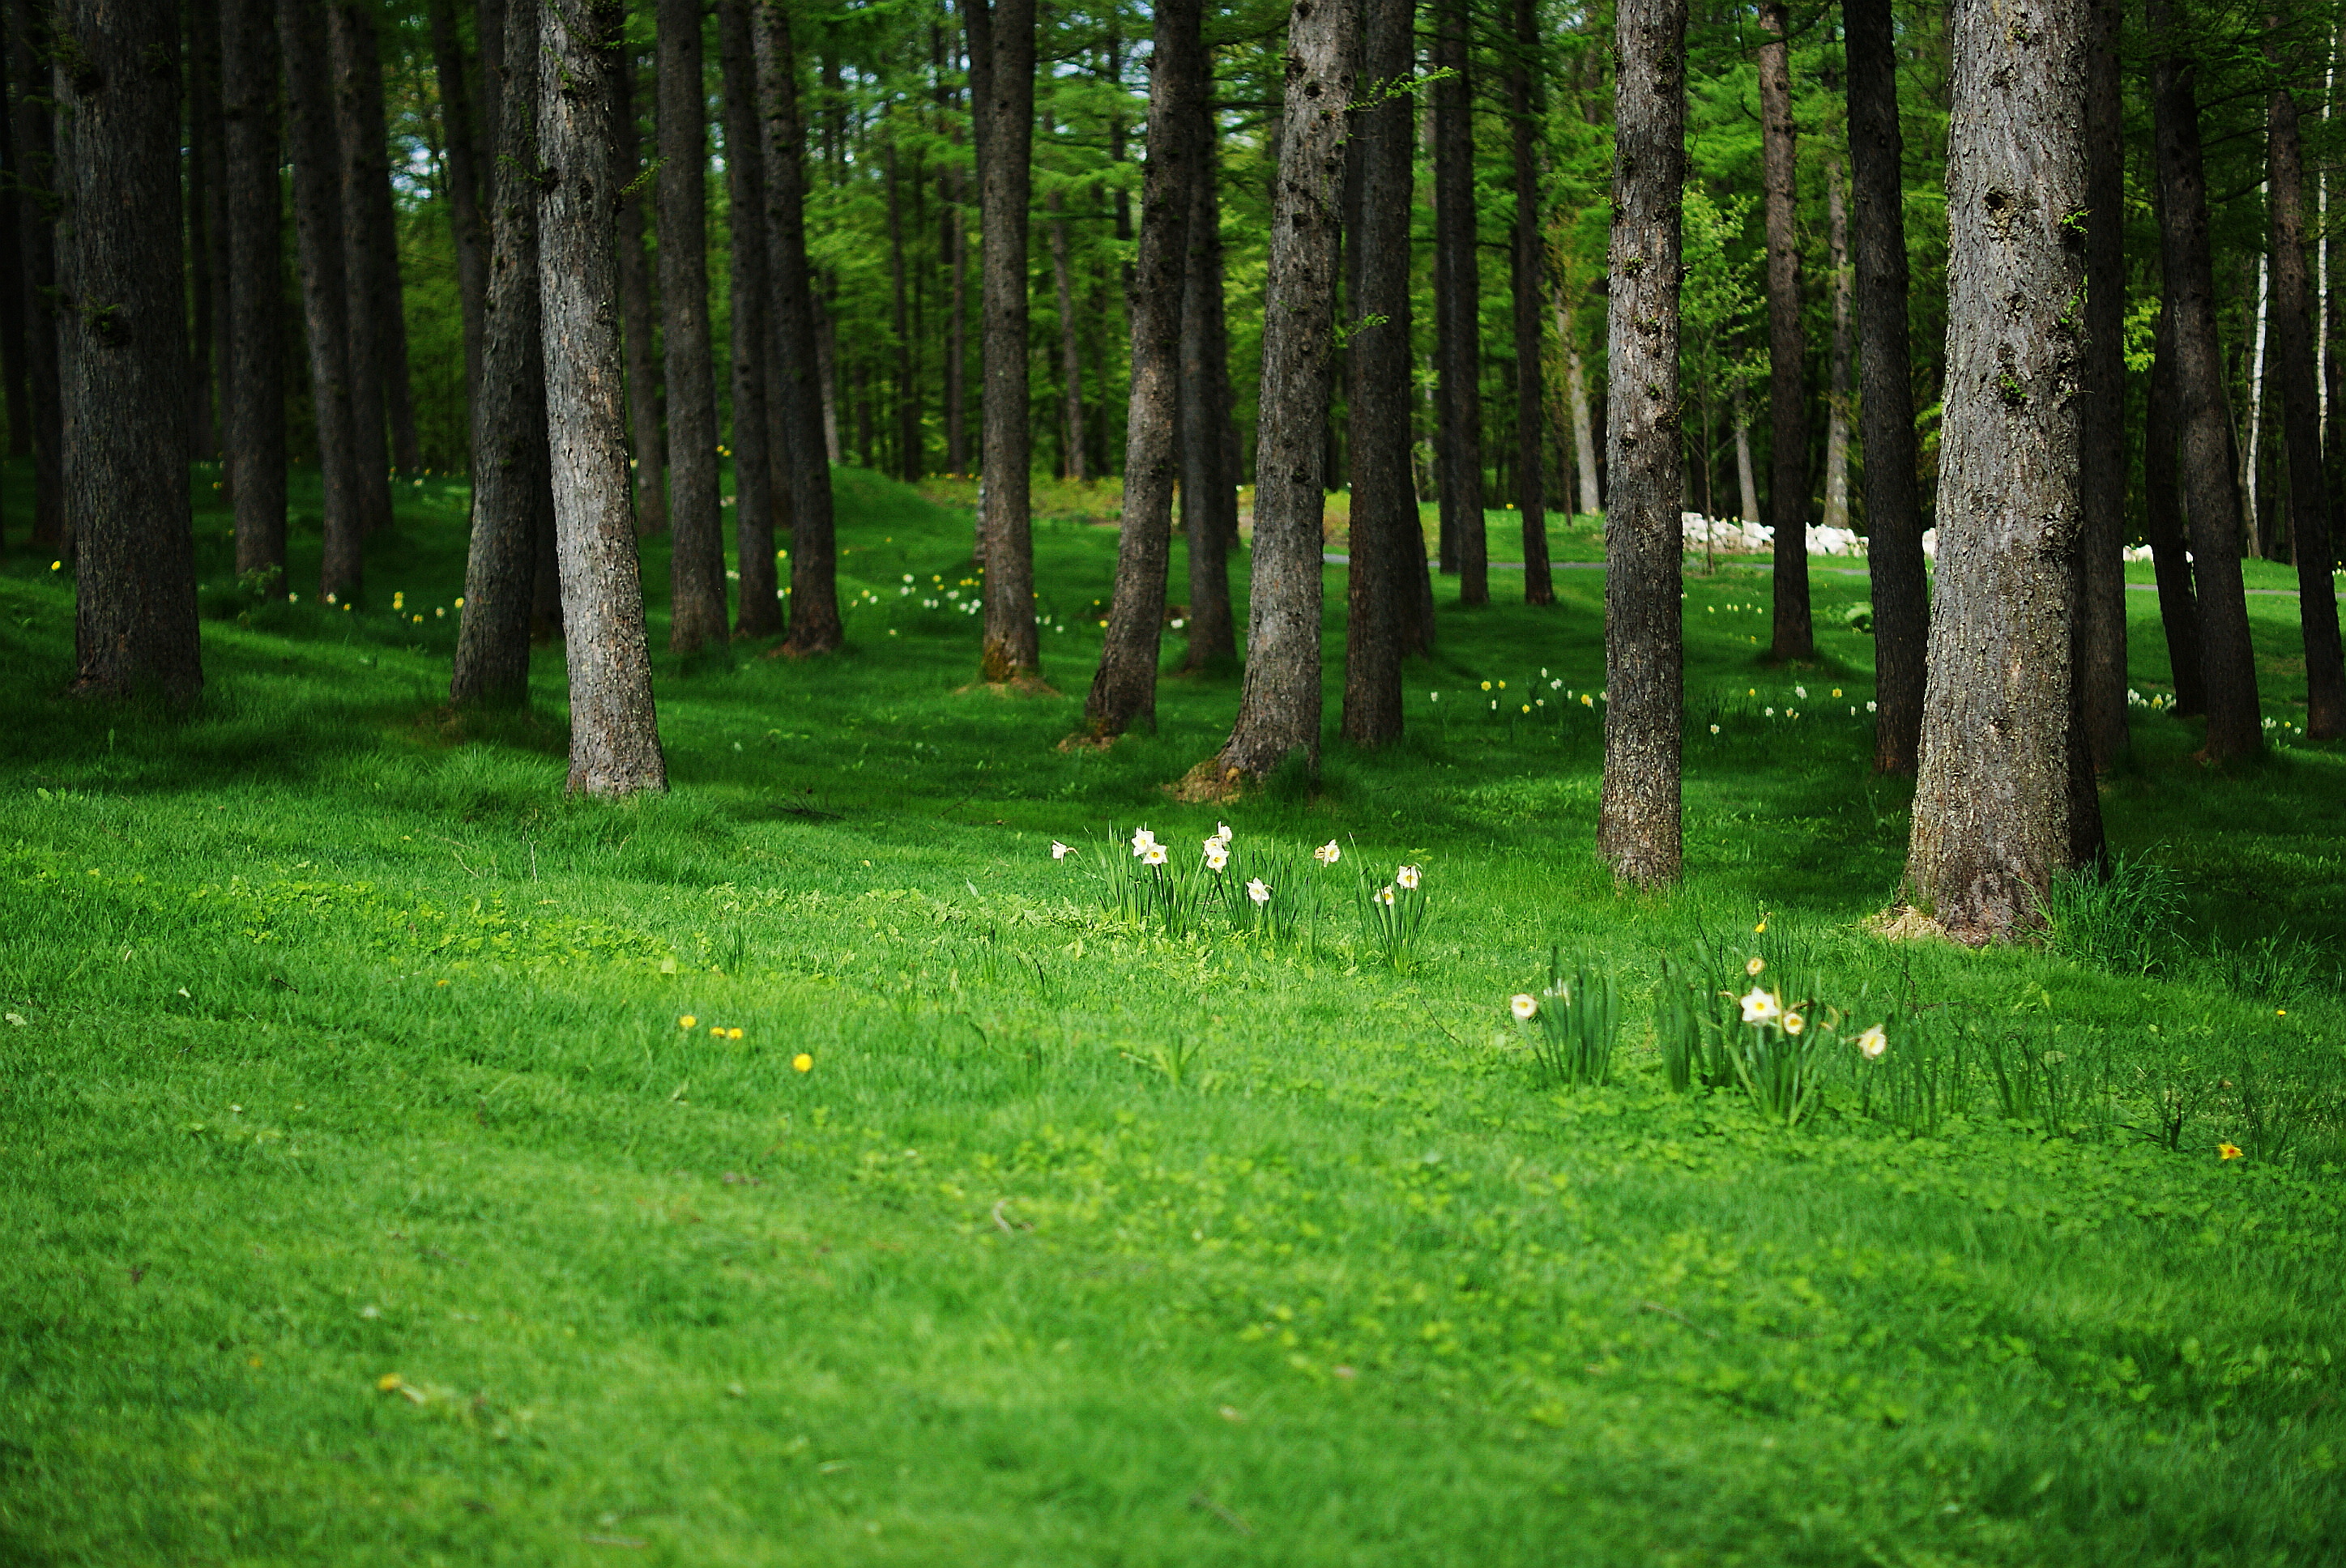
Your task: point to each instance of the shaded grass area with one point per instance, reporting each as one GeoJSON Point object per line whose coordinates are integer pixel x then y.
{"type": "Point", "coordinates": [371, 1204]}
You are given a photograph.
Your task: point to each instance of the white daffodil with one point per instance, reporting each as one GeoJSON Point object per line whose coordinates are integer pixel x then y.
{"type": "Point", "coordinates": [1801, 692]}
{"type": "Point", "coordinates": [1217, 856]}
{"type": "Point", "coordinates": [1872, 1043]}
{"type": "Point", "coordinates": [1407, 877]}
{"type": "Point", "coordinates": [1257, 893]}
{"type": "Point", "coordinates": [1761, 1006]}
{"type": "Point", "coordinates": [1142, 842]}
{"type": "Point", "coordinates": [1794, 1023]}
{"type": "Point", "coordinates": [1522, 1004]}
{"type": "Point", "coordinates": [1153, 856]}
{"type": "Point", "coordinates": [1385, 895]}
{"type": "Point", "coordinates": [1714, 730]}
{"type": "Point", "coordinates": [1753, 967]}
{"type": "Point", "coordinates": [1222, 831]}
{"type": "Point", "coordinates": [1060, 851]}
{"type": "Point", "coordinates": [1328, 854]}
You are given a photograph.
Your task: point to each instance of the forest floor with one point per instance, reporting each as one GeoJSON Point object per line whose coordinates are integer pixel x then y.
{"type": "Point", "coordinates": [402, 1164]}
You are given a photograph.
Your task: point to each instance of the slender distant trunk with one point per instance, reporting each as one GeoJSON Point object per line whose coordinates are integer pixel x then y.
{"type": "Point", "coordinates": [466, 190]}
{"type": "Point", "coordinates": [1531, 491]}
{"type": "Point", "coordinates": [2258, 541]}
{"type": "Point", "coordinates": [759, 611]}
{"type": "Point", "coordinates": [1583, 428]}
{"type": "Point", "coordinates": [2228, 662]}
{"type": "Point", "coordinates": [1381, 580]}
{"type": "Point", "coordinates": [325, 299]}
{"type": "Point", "coordinates": [1992, 804]}
{"type": "Point", "coordinates": [1838, 398]}
{"type": "Point", "coordinates": [908, 466]}
{"type": "Point", "coordinates": [18, 397]}
{"type": "Point", "coordinates": [2179, 611]}
{"type": "Point", "coordinates": [1123, 691]}
{"type": "Point", "coordinates": [127, 390]}
{"type": "Point", "coordinates": [1893, 518]}
{"type": "Point", "coordinates": [826, 360]}
{"type": "Point", "coordinates": [1638, 826]}
{"type": "Point", "coordinates": [614, 732]}
{"type": "Point", "coordinates": [1071, 354]}
{"type": "Point", "coordinates": [1279, 701]}
{"type": "Point", "coordinates": [1208, 480]}
{"type": "Point", "coordinates": [696, 518]}
{"type": "Point", "coordinates": [795, 398]}
{"type": "Point", "coordinates": [1001, 89]}
{"type": "Point", "coordinates": [1787, 482]}
{"type": "Point", "coordinates": [953, 235]}
{"type": "Point", "coordinates": [2101, 625]}
{"type": "Point", "coordinates": [255, 341]}
{"type": "Point", "coordinates": [648, 447]}
{"type": "Point", "coordinates": [1457, 304]}
{"type": "Point", "coordinates": [1747, 481]}
{"type": "Point", "coordinates": [2294, 365]}
{"type": "Point", "coordinates": [35, 143]}
{"type": "Point", "coordinates": [370, 257]}
{"type": "Point", "coordinates": [512, 493]}
{"type": "Point", "coordinates": [207, 280]}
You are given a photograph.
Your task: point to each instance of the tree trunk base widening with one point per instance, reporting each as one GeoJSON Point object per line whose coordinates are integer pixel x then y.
{"type": "Point", "coordinates": [1998, 925]}
{"type": "Point", "coordinates": [1212, 782]}
{"type": "Point", "coordinates": [1089, 740]}
{"type": "Point", "coordinates": [1021, 684]}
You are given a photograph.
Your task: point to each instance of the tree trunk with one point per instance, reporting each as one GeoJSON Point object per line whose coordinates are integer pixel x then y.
{"type": "Point", "coordinates": [1002, 88]}
{"type": "Point", "coordinates": [13, 369]}
{"type": "Point", "coordinates": [1838, 399]}
{"type": "Point", "coordinates": [466, 190]}
{"type": "Point", "coordinates": [2228, 662]}
{"type": "Point", "coordinates": [35, 141]}
{"type": "Point", "coordinates": [1123, 691]}
{"type": "Point", "coordinates": [696, 517]}
{"type": "Point", "coordinates": [126, 387]}
{"type": "Point", "coordinates": [379, 394]}
{"type": "Point", "coordinates": [1071, 354]}
{"type": "Point", "coordinates": [2309, 502]}
{"type": "Point", "coordinates": [326, 301]}
{"type": "Point", "coordinates": [1457, 304]}
{"type": "Point", "coordinates": [1279, 703]}
{"type": "Point", "coordinates": [207, 279]}
{"type": "Point", "coordinates": [1381, 583]}
{"type": "Point", "coordinates": [1638, 828]}
{"type": "Point", "coordinates": [908, 466]}
{"type": "Point", "coordinates": [1531, 400]}
{"type": "Point", "coordinates": [1992, 803]}
{"type": "Point", "coordinates": [255, 342]}
{"type": "Point", "coordinates": [2163, 525]}
{"type": "Point", "coordinates": [1788, 481]}
{"type": "Point", "coordinates": [759, 612]}
{"type": "Point", "coordinates": [511, 494]}
{"type": "Point", "coordinates": [2101, 625]}
{"type": "Point", "coordinates": [953, 235]}
{"type": "Point", "coordinates": [1893, 518]}
{"type": "Point", "coordinates": [1209, 481]}
{"type": "Point", "coordinates": [795, 392]}
{"type": "Point", "coordinates": [614, 732]}
{"type": "Point", "coordinates": [648, 445]}
{"type": "Point", "coordinates": [1583, 429]}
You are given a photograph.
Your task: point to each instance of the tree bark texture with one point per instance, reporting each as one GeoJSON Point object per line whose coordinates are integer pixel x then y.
{"type": "Point", "coordinates": [2211, 502]}
{"type": "Point", "coordinates": [1788, 406]}
{"type": "Point", "coordinates": [796, 390]}
{"type": "Point", "coordinates": [325, 299]}
{"type": "Point", "coordinates": [1838, 392]}
{"type": "Point", "coordinates": [1124, 690]}
{"type": "Point", "coordinates": [207, 268]}
{"type": "Point", "coordinates": [17, 392]}
{"type": "Point", "coordinates": [648, 441]}
{"type": "Point", "coordinates": [125, 414]}
{"type": "Point", "coordinates": [2293, 362]}
{"type": "Point", "coordinates": [1526, 274]}
{"type": "Point", "coordinates": [1002, 88]}
{"type": "Point", "coordinates": [2178, 612]}
{"type": "Point", "coordinates": [1992, 803]}
{"type": "Point", "coordinates": [1279, 701]}
{"type": "Point", "coordinates": [513, 501]}
{"type": "Point", "coordinates": [759, 613]}
{"type": "Point", "coordinates": [1638, 824]}
{"type": "Point", "coordinates": [382, 412]}
{"type": "Point", "coordinates": [1583, 428]}
{"type": "Point", "coordinates": [467, 191]}
{"type": "Point", "coordinates": [2101, 625]}
{"type": "Point", "coordinates": [1457, 304]}
{"type": "Point", "coordinates": [35, 135]}
{"type": "Point", "coordinates": [680, 190]}
{"type": "Point", "coordinates": [1387, 542]}
{"type": "Point", "coordinates": [614, 732]}
{"type": "Point", "coordinates": [1209, 497]}
{"type": "Point", "coordinates": [255, 341]}
{"type": "Point", "coordinates": [1894, 515]}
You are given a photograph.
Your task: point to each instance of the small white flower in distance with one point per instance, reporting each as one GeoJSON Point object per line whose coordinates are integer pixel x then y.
{"type": "Point", "coordinates": [1060, 851]}
{"type": "Point", "coordinates": [1869, 708]}
{"type": "Point", "coordinates": [1154, 855]}
{"type": "Point", "coordinates": [1754, 967]}
{"type": "Point", "coordinates": [1523, 1005]}
{"type": "Point", "coordinates": [1385, 895]}
{"type": "Point", "coordinates": [1794, 1023]}
{"type": "Point", "coordinates": [1257, 893]}
{"type": "Point", "coordinates": [1801, 692]}
{"type": "Point", "coordinates": [1714, 730]}
{"type": "Point", "coordinates": [1217, 856]}
{"type": "Point", "coordinates": [1761, 1006]}
{"type": "Point", "coordinates": [1407, 877]}
{"type": "Point", "coordinates": [1143, 842]}
{"type": "Point", "coordinates": [1222, 831]}
{"type": "Point", "coordinates": [1328, 854]}
{"type": "Point", "coordinates": [1872, 1043]}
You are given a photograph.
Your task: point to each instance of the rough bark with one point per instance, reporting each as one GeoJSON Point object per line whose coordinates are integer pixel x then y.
{"type": "Point", "coordinates": [1893, 517]}
{"type": "Point", "coordinates": [2179, 611]}
{"type": "Point", "coordinates": [1385, 529]}
{"type": "Point", "coordinates": [1457, 306]}
{"type": "Point", "coordinates": [1993, 797]}
{"type": "Point", "coordinates": [1842, 380]}
{"type": "Point", "coordinates": [2101, 627]}
{"type": "Point", "coordinates": [1526, 273]}
{"type": "Point", "coordinates": [1209, 482]}
{"type": "Point", "coordinates": [681, 195]}
{"type": "Point", "coordinates": [1638, 825]}
{"type": "Point", "coordinates": [255, 341]}
{"type": "Point", "coordinates": [207, 274]}
{"type": "Point", "coordinates": [126, 386]}
{"type": "Point", "coordinates": [614, 732]}
{"type": "Point", "coordinates": [513, 500]}
{"type": "Point", "coordinates": [326, 301]}
{"type": "Point", "coordinates": [796, 391]}
{"type": "Point", "coordinates": [1787, 409]}
{"type": "Point", "coordinates": [1124, 689]}
{"type": "Point", "coordinates": [2293, 365]}
{"type": "Point", "coordinates": [757, 613]}
{"type": "Point", "coordinates": [648, 444]}
{"type": "Point", "coordinates": [382, 418]}
{"type": "Point", "coordinates": [1279, 701]}
{"type": "Point", "coordinates": [34, 137]}
{"type": "Point", "coordinates": [1002, 88]}
{"type": "Point", "coordinates": [467, 225]}
{"type": "Point", "coordinates": [2227, 661]}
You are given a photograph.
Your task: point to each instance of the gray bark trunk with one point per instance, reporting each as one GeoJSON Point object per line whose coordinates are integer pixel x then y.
{"type": "Point", "coordinates": [759, 612]}
{"type": "Point", "coordinates": [467, 191]}
{"type": "Point", "coordinates": [207, 269]}
{"type": "Point", "coordinates": [908, 464]}
{"type": "Point", "coordinates": [1788, 481]}
{"type": "Point", "coordinates": [696, 517]}
{"type": "Point", "coordinates": [1457, 306]}
{"type": "Point", "coordinates": [1838, 394]}
{"type": "Point", "coordinates": [2178, 612]}
{"type": "Point", "coordinates": [1583, 428]}
{"type": "Point", "coordinates": [647, 442]}
{"type": "Point", "coordinates": [255, 404]}
{"type": "Point", "coordinates": [1071, 352]}
{"type": "Point", "coordinates": [2101, 629]}
{"type": "Point", "coordinates": [380, 404]}
{"type": "Point", "coordinates": [1209, 506]}
{"type": "Point", "coordinates": [1525, 274]}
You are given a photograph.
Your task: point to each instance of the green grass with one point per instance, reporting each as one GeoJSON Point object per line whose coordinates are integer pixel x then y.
{"type": "Point", "coordinates": [350, 1052]}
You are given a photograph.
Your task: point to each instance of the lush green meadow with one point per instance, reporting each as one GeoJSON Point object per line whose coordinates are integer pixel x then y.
{"type": "Point", "coordinates": [403, 1164]}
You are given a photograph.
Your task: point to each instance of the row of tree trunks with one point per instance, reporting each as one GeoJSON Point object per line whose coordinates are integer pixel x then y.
{"type": "Point", "coordinates": [696, 514]}
{"type": "Point", "coordinates": [466, 190]}
{"type": "Point", "coordinates": [1788, 489]}
{"type": "Point", "coordinates": [759, 612]}
{"type": "Point", "coordinates": [1457, 318]}
{"type": "Point", "coordinates": [380, 403]}
{"type": "Point", "coordinates": [1526, 274]}
{"type": "Point", "coordinates": [254, 405]}
{"type": "Point", "coordinates": [1209, 497]}
{"type": "Point", "coordinates": [648, 459]}
{"type": "Point", "coordinates": [2100, 627]}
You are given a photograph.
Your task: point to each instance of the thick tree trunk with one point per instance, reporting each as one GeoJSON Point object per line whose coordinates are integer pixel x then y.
{"type": "Point", "coordinates": [1838, 397]}
{"type": "Point", "coordinates": [614, 732]}
{"type": "Point", "coordinates": [1209, 482]}
{"type": "Point", "coordinates": [2309, 502]}
{"type": "Point", "coordinates": [513, 502]}
{"type": "Point", "coordinates": [795, 392]}
{"type": "Point", "coordinates": [1123, 691]}
{"type": "Point", "coordinates": [126, 387]}
{"type": "Point", "coordinates": [325, 299]}
{"type": "Point", "coordinates": [647, 446]}
{"type": "Point", "coordinates": [2179, 611]}
{"type": "Point", "coordinates": [382, 416]}
{"type": "Point", "coordinates": [908, 466]}
{"type": "Point", "coordinates": [1893, 518]}
{"type": "Point", "coordinates": [35, 141]}
{"type": "Point", "coordinates": [1071, 352]}
{"type": "Point", "coordinates": [206, 278]}
{"type": "Point", "coordinates": [1526, 274]}
{"type": "Point", "coordinates": [1638, 826]}
{"type": "Point", "coordinates": [1002, 88]}
{"type": "Point", "coordinates": [759, 612]}
{"type": "Point", "coordinates": [696, 516]}
{"type": "Point", "coordinates": [1279, 701]}
{"type": "Point", "coordinates": [1788, 480]}
{"type": "Point", "coordinates": [2101, 625]}
{"type": "Point", "coordinates": [2228, 662]}
{"type": "Point", "coordinates": [1993, 800]}
{"type": "Point", "coordinates": [466, 190]}
{"type": "Point", "coordinates": [1387, 544]}
{"type": "Point", "coordinates": [1457, 304]}
{"type": "Point", "coordinates": [255, 342]}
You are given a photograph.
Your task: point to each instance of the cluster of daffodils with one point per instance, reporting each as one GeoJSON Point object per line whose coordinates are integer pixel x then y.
{"type": "Point", "coordinates": [1763, 1006]}
{"type": "Point", "coordinates": [1147, 849]}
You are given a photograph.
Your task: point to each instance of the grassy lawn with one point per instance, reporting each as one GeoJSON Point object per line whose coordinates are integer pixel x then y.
{"type": "Point", "coordinates": [405, 1164]}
